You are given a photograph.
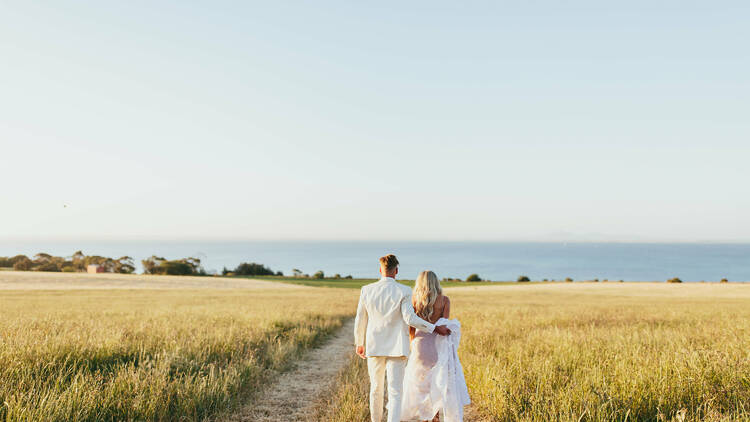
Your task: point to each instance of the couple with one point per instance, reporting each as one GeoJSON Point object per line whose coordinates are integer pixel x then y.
{"type": "Point", "coordinates": [431, 381]}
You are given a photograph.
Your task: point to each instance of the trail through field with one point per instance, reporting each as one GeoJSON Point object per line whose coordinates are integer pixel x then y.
{"type": "Point", "coordinates": [294, 394]}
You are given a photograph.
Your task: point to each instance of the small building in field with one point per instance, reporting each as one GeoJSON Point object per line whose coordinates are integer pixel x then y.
{"type": "Point", "coordinates": [93, 269]}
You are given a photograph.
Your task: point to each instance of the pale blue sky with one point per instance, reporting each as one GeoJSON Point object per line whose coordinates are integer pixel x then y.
{"type": "Point", "coordinates": [539, 120]}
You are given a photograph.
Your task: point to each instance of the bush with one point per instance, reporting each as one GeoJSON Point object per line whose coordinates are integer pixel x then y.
{"type": "Point", "coordinates": [674, 280]}
{"type": "Point", "coordinates": [473, 277]}
{"type": "Point", "coordinates": [251, 268]}
{"type": "Point", "coordinates": [522, 279]}
{"type": "Point", "coordinates": [349, 277]}
{"type": "Point", "coordinates": [5, 262]}
{"type": "Point", "coordinates": [545, 280]}
{"type": "Point", "coordinates": [319, 275]}
{"type": "Point", "coordinates": [68, 269]}
{"type": "Point", "coordinates": [568, 280]}
{"type": "Point", "coordinates": [724, 280]}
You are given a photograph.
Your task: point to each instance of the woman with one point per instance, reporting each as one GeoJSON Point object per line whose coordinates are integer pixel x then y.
{"type": "Point", "coordinates": [434, 381]}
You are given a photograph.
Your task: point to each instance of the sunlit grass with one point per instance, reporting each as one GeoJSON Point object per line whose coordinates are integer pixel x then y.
{"type": "Point", "coordinates": [152, 355]}
{"type": "Point", "coordinates": [593, 352]}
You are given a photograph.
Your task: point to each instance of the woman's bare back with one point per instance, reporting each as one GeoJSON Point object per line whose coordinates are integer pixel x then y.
{"type": "Point", "coordinates": [441, 309]}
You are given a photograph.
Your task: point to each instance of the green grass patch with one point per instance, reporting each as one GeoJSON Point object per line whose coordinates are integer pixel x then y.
{"type": "Point", "coordinates": [357, 283]}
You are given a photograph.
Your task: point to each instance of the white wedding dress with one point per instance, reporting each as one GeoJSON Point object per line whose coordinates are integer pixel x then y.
{"type": "Point", "coordinates": [434, 380]}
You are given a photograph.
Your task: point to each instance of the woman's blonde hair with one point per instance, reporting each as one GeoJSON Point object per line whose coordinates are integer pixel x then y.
{"type": "Point", "coordinates": [426, 290]}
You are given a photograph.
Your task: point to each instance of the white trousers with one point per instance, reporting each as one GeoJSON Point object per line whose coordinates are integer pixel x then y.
{"type": "Point", "coordinates": [380, 368]}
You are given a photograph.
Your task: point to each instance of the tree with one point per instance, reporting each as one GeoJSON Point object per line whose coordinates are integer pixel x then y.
{"type": "Point", "coordinates": [151, 265]}
{"type": "Point", "coordinates": [21, 263]}
{"type": "Point", "coordinates": [568, 280]}
{"type": "Point", "coordinates": [319, 275]}
{"type": "Point", "coordinates": [523, 278]}
{"type": "Point", "coordinates": [724, 280]}
{"type": "Point", "coordinates": [124, 265]}
{"type": "Point", "coordinates": [296, 273]}
{"type": "Point", "coordinates": [251, 268]}
{"type": "Point", "coordinates": [185, 266]}
{"type": "Point", "coordinates": [78, 260]}
{"type": "Point", "coordinates": [473, 277]}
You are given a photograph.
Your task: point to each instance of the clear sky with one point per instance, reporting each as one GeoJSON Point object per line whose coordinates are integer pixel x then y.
{"type": "Point", "coordinates": [533, 120]}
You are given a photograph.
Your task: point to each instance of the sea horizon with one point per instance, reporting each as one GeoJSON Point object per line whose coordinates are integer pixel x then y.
{"type": "Point", "coordinates": [492, 260]}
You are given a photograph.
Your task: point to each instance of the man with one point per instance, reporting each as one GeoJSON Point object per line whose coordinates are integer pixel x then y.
{"type": "Point", "coordinates": [383, 318]}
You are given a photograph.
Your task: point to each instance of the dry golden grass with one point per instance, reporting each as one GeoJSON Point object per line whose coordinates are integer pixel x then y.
{"type": "Point", "coordinates": [594, 352]}
{"type": "Point", "coordinates": [106, 355]}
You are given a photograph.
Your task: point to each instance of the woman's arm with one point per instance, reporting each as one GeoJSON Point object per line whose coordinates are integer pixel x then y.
{"type": "Point", "coordinates": [447, 308]}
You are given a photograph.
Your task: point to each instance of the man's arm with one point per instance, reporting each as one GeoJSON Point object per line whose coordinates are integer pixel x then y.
{"type": "Point", "coordinates": [412, 319]}
{"type": "Point", "coordinates": [360, 326]}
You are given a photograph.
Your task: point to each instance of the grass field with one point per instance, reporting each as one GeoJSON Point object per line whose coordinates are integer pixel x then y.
{"type": "Point", "coordinates": [164, 355]}
{"type": "Point", "coordinates": [531, 352]}
{"type": "Point", "coordinates": [594, 352]}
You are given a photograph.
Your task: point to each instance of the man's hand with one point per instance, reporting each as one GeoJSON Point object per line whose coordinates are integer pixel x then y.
{"type": "Point", "coordinates": [442, 330]}
{"type": "Point", "coordinates": [361, 351]}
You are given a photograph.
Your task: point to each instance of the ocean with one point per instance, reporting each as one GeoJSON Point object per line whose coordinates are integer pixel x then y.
{"type": "Point", "coordinates": [497, 261]}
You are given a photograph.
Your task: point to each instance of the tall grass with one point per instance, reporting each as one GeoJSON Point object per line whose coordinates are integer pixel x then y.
{"type": "Point", "coordinates": [611, 352]}
{"type": "Point", "coordinates": [152, 355]}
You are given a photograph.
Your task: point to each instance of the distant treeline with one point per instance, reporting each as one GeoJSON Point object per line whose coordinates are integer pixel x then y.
{"type": "Point", "coordinates": [78, 262]}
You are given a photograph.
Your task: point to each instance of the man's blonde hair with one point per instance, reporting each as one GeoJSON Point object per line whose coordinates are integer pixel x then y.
{"type": "Point", "coordinates": [390, 262]}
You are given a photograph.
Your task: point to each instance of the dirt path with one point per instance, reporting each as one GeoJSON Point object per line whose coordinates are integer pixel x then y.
{"type": "Point", "coordinates": [293, 395]}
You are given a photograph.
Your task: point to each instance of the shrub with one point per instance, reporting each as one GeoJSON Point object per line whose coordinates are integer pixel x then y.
{"type": "Point", "coordinates": [596, 280]}
{"type": "Point", "coordinates": [349, 277]}
{"type": "Point", "coordinates": [251, 268]}
{"type": "Point", "coordinates": [337, 276]}
{"type": "Point", "coordinates": [5, 262]}
{"type": "Point", "coordinates": [473, 277]}
{"type": "Point", "coordinates": [674, 280]}
{"type": "Point", "coordinates": [724, 280]}
{"type": "Point", "coordinates": [68, 269]}
{"type": "Point", "coordinates": [319, 275]}
{"type": "Point", "coordinates": [568, 280]}
{"type": "Point", "coordinates": [545, 280]}
{"type": "Point", "coordinates": [522, 279]}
